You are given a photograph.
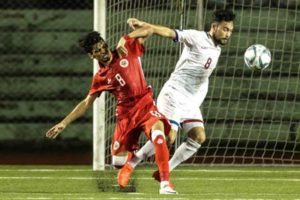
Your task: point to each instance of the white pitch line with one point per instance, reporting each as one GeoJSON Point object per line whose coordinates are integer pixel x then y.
{"type": "Point", "coordinates": [176, 170]}
{"type": "Point", "coordinates": [240, 193]}
{"type": "Point", "coordinates": [45, 198]}
{"type": "Point", "coordinates": [237, 171]}
{"type": "Point", "coordinates": [162, 198]}
{"type": "Point", "coordinates": [40, 198]}
{"type": "Point", "coordinates": [54, 194]}
{"type": "Point", "coordinates": [49, 178]}
{"type": "Point", "coordinates": [46, 170]}
{"type": "Point", "coordinates": [135, 193]}
{"type": "Point", "coordinates": [145, 178]}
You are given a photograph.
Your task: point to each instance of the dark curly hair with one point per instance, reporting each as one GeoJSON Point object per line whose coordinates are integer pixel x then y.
{"type": "Point", "coordinates": [223, 15]}
{"type": "Point", "coordinates": [87, 41]}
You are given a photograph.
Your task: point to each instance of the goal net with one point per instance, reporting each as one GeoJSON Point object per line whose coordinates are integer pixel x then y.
{"type": "Point", "coordinates": [250, 117]}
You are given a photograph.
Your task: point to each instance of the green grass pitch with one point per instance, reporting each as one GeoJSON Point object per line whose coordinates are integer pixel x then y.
{"type": "Point", "coordinates": [197, 182]}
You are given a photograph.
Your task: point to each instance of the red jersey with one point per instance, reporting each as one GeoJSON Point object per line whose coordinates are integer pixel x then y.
{"type": "Point", "coordinates": [123, 77]}
{"type": "Point", "coordinates": [136, 112]}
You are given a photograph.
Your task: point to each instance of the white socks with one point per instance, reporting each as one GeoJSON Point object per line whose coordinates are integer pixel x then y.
{"type": "Point", "coordinates": [183, 152]}
{"type": "Point", "coordinates": [146, 151]}
{"type": "Point", "coordinates": [164, 183]}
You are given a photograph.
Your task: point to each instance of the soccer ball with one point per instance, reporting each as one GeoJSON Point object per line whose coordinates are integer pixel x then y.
{"type": "Point", "coordinates": [257, 57]}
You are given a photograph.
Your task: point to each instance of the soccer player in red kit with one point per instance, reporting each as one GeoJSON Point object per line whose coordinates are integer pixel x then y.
{"type": "Point", "coordinates": [122, 76]}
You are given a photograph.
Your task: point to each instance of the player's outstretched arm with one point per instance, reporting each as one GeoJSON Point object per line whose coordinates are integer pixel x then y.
{"type": "Point", "coordinates": [78, 111]}
{"type": "Point", "coordinates": [157, 29]}
{"type": "Point", "coordinates": [141, 33]}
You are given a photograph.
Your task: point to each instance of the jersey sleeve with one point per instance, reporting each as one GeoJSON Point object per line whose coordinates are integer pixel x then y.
{"type": "Point", "coordinates": [186, 36]}
{"type": "Point", "coordinates": [133, 46]}
{"type": "Point", "coordinates": [98, 85]}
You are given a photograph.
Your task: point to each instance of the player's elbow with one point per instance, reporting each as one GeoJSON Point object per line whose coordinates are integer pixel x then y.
{"type": "Point", "coordinates": [165, 32]}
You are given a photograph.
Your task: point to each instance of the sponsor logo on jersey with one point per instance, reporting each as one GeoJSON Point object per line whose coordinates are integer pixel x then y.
{"type": "Point", "coordinates": [124, 63]}
{"type": "Point", "coordinates": [116, 145]}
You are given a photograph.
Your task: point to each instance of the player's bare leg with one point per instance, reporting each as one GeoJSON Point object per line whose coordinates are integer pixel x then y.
{"type": "Point", "coordinates": [172, 136]}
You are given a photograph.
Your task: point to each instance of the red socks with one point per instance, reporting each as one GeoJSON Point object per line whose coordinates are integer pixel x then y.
{"type": "Point", "coordinates": [162, 157]}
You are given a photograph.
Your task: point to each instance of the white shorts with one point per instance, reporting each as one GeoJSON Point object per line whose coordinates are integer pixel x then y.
{"type": "Point", "coordinates": [180, 108]}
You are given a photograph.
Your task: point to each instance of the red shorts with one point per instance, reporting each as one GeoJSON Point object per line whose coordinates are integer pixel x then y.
{"type": "Point", "coordinates": [140, 118]}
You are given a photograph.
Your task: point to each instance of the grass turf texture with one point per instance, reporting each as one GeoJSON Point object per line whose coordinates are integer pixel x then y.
{"type": "Point", "coordinates": [204, 182]}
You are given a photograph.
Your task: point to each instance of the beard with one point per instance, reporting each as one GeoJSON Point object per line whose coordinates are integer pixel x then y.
{"type": "Point", "coordinates": [221, 41]}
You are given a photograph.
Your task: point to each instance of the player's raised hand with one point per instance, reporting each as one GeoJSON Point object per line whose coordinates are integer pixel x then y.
{"type": "Point", "coordinates": [55, 130]}
{"type": "Point", "coordinates": [121, 47]}
{"type": "Point", "coordinates": [135, 23]}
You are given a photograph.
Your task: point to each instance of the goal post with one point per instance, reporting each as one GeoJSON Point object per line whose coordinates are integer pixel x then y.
{"type": "Point", "coordinates": [99, 104]}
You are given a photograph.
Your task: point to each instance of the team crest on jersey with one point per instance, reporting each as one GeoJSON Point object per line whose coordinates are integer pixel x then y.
{"type": "Point", "coordinates": [124, 63]}
{"type": "Point", "coordinates": [116, 145]}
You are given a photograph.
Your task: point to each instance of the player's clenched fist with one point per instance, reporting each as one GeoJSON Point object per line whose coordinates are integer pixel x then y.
{"type": "Point", "coordinates": [55, 130]}
{"type": "Point", "coordinates": [135, 23]}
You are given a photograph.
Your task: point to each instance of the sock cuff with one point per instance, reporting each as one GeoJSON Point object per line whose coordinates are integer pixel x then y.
{"type": "Point", "coordinates": [156, 133]}
{"type": "Point", "coordinates": [192, 143]}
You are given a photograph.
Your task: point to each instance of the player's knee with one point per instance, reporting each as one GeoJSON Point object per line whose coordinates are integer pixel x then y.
{"type": "Point", "coordinates": [159, 125]}
{"type": "Point", "coordinates": [197, 134]}
{"type": "Point", "coordinates": [118, 161]}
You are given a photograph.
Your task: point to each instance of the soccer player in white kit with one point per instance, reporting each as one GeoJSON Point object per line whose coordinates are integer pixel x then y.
{"type": "Point", "coordinates": [184, 92]}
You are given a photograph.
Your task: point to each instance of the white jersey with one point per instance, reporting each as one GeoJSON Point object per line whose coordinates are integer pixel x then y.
{"type": "Point", "coordinates": [197, 61]}
{"type": "Point", "coordinates": [184, 92]}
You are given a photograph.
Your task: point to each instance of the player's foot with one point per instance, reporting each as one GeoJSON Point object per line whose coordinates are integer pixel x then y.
{"type": "Point", "coordinates": [124, 175]}
{"type": "Point", "coordinates": [156, 176]}
{"type": "Point", "coordinates": [167, 189]}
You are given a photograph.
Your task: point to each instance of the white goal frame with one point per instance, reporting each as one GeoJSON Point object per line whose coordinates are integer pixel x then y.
{"type": "Point", "coordinates": [99, 104]}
